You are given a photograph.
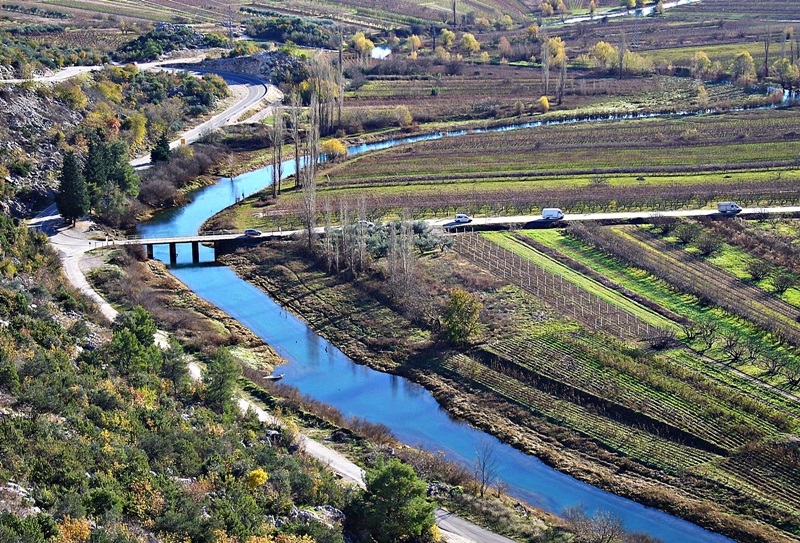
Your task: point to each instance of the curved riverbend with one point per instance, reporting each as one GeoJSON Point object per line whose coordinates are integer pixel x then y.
{"type": "Point", "coordinates": [319, 369]}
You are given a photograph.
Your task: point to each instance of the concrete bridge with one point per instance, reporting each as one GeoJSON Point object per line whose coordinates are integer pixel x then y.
{"type": "Point", "coordinates": [195, 241]}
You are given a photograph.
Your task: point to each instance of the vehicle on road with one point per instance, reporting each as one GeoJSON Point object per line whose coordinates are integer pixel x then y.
{"type": "Point", "coordinates": [462, 218]}
{"type": "Point", "coordinates": [728, 208]}
{"type": "Point", "coordinates": [552, 214]}
{"type": "Point", "coordinates": [252, 233]}
{"type": "Point", "coordinates": [365, 224]}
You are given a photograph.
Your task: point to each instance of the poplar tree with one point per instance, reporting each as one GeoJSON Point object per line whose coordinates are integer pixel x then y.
{"type": "Point", "coordinates": [72, 198]}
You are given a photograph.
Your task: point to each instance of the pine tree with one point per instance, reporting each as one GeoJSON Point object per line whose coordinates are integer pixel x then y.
{"type": "Point", "coordinates": [96, 169]}
{"type": "Point", "coordinates": [72, 198]}
{"type": "Point", "coordinates": [161, 152]}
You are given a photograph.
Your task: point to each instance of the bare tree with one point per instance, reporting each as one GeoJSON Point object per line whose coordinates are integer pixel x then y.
{"type": "Point", "coordinates": [308, 175]}
{"type": "Point", "coordinates": [327, 243]}
{"type": "Point", "coordinates": [485, 466]}
{"type": "Point", "coordinates": [562, 80]}
{"type": "Point", "coordinates": [603, 527]}
{"type": "Point", "coordinates": [277, 150]}
{"type": "Point", "coordinates": [546, 66]}
{"type": "Point", "coordinates": [621, 53]}
{"type": "Point", "coordinates": [294, 115]}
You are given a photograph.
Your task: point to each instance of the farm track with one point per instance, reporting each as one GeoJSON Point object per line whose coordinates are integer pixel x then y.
{"type": "Point", "coordinates": [723, 288]}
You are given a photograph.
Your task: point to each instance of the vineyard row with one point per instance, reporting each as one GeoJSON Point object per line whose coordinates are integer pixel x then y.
{"type": "Point", "coordinates": [583, 306]}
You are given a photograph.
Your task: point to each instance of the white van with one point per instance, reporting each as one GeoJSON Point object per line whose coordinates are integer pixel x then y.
{"type": "Point", "coordinates": [461, 217]}
{"type": "Point", "coordinates": [728, 208]}
{"type": "Point", "coordinates": [552, 214]}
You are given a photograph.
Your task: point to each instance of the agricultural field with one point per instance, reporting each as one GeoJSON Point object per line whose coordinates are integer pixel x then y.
{"type": "Point", "coordinates": [653, 164]}
{"type": "Point", "coordinates": [726, 343]}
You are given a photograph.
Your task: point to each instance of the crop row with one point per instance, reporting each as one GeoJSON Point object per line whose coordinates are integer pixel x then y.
{"type": "Point", "coordinates": [700, 279]}
{"type": "Point", "coordinates": [523, 247]}
{"type": "Point", "coordinates": [664, 407]}
{"type": "Point", "coordinates": [645, 447]}
{"type": "Point", "coordinates": [690, 273]}
{"type": "Point", "coordinates": [770, 246]}
{"type": "Point", "coordinates": [584, 307]}
{"type": "Point", "coordinates": [713, 378]}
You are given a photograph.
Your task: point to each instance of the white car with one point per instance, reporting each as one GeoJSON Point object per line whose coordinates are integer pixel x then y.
{"type": "Point", "coordinates": [462, 218]}
{"type": "Point", "coordinates": [365, 224]}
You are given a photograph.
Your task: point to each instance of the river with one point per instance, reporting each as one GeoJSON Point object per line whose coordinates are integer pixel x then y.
{"type": "Point", "coordinates": [319, 369]}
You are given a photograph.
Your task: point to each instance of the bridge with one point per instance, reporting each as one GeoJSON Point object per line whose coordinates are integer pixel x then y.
{"type": "Point", "coordinates": [195, 241]}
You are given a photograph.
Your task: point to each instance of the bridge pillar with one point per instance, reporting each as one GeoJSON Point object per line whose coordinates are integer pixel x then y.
{"type": "Point", "coordinates": [149, 248]}
{"type": "Point", "coordinates": [173, 254]}
{"type": "Point", "coordinates": [195, 252]}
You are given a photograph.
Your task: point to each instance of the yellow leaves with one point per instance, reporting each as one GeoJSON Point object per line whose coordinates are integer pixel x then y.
{"type": "Point", "coordinates": [404, 118]}
{"type": "Point", "coordinates": [361, 44]}
{"type": "Point", "coordinates": [74, 530]}
{"type": "Point", "coordinates": [544, 104]}
{"type": "Point", "coordinates": [147, 502]}
{"type": "Point", "coordinates": [334, 149]}
{"type": "Point", "coordinates": [558, 51]}
{"type": "Point", "coordinates": [446, 38]}
{"type": "Point", "coordinates": [469, 44]}
{"type": "Point", "coordinates": [256, 478]}
{"type": "Point", "coordinates": [110, 91]}
{"type": "Point", "coordinates": [71, 93]}
{"type": "Point", "coordinates": [604, 54]}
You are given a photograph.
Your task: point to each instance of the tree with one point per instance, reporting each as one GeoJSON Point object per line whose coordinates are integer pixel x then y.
{"type": "Point", "coordinates": [604, 54]}
{"type": "Point", "coordinates": [603, 527]}
{"type": "Point", "coordinates": [787, 73]}
{"type": "Point", "coordinates": [686, 232]}
{"type": "Point", "coordinates": [743, 69]}
{"type": "Point", "coordinates": [758, 269]}
{"type": "Point", "coordinates": [446, 38]}
{"type": "Point", "coordinates": [546, 66]}
{"type": "Point", "coordinates": [139, 322]}
{"type": "Point", "coordinates": [362, 45]}
{"type": "Point", "coordinates": [469, 44]}
{"type": "Point", "coordinates": [414, 42]}
{"type": "Point", "coordinates": [334, 149]}
{"type": "Point", "coordinates": [174, 367]}
{"type": "Point", "coordinates": [461, 316]}
{"type": "Point", "coordinates": [701, 64]}
{"type": "Point", "coordinates": [783, 282]}
{"type": "Point", "coordinates": [161, 152]}
{"type": "Point", "coordinates": [485, 465]}
{"type": "Point", "coordinates": [72, 198]}
{"type": "Point", "coordinates": [394, 504]}
{"type": "Point", "coordinates": [708, 243]}
{"type": "Point", "coordinates": [221, 375]}
{"type": "Point", "coordinates": [544, 104]}
{"type": "Point", "coordinates": [278, 129]}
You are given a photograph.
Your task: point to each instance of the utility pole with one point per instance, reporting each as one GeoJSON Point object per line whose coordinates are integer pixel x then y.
{"type": "Point", "coordinates": [455, 22]}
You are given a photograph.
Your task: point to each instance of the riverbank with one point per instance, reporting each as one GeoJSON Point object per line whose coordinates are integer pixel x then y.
{"type": "Point", "coordinates": [360, 320]}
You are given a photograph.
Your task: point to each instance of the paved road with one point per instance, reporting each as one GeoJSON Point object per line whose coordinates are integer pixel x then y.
{"type": "Point", "coordinates": [254, 91]}
{"type": "Point", "coordinates": [532, 221]}
{"type": "Point", "coordinates": [537, 220]}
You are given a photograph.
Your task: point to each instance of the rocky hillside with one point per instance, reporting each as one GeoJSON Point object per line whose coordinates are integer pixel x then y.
{"type": "Point", "coordinates": [32, 124]}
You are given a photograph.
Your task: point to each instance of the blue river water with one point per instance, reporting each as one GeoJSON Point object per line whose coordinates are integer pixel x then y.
{"type": "Point", "coordinates": [318, 369]}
